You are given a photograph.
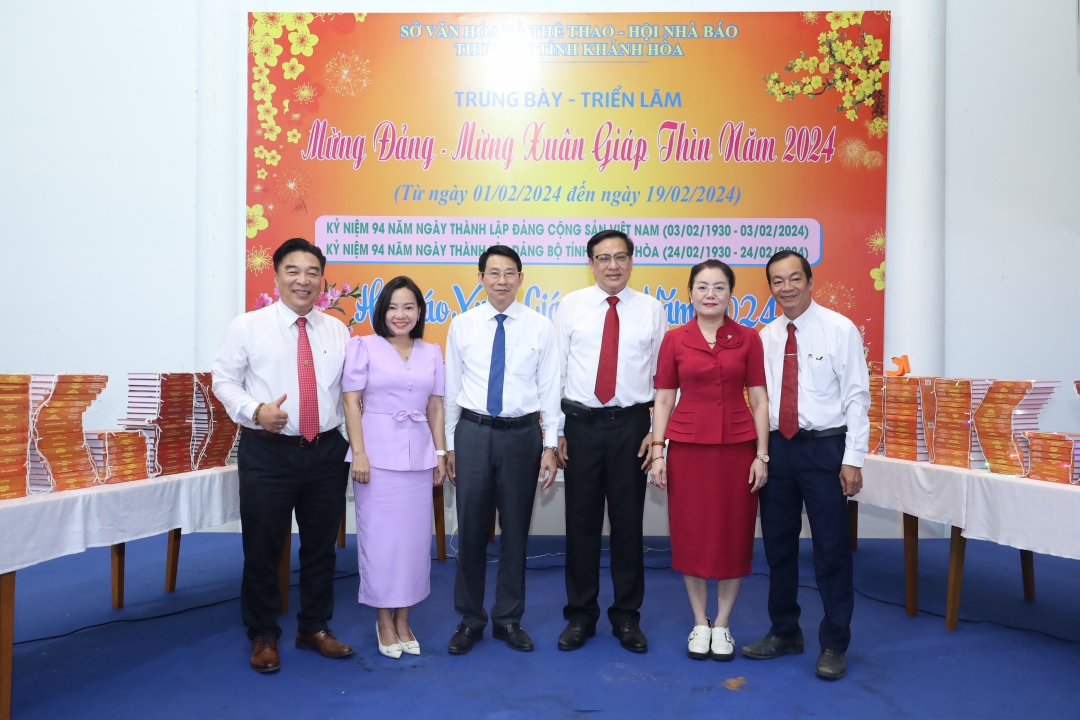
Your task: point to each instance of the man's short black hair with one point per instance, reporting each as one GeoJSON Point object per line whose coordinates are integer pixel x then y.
{"type": "Point", "coordinates": [499, 250]}
{"type": "Point", "coordinates": [382, 306]}
{"type": "Point", "coordinates": [786, 254]}
{"type": "Point", "coordinates": [298, 245]}
{"type": "Point", "coordinates": [607, 235]}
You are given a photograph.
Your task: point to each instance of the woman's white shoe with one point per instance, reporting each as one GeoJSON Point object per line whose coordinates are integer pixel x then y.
{"type": "Point", "coordinates": [410, 647]}
{"type": "Point", "coordinates": [698, 643]}
{"type": "Point", "coordinates": [390, 651]}
{"type": "Point", "coordinates": [723, 647]}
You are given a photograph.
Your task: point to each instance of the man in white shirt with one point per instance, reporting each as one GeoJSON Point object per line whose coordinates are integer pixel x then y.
{"type": "Point", "coordinates": [819, 396]}
{"type": "Point", "coordinates": [502, 377]}
{"type": "Point", "coordinates": [609, 338]}
{"type": "Point", "coordinates": [278, 374]}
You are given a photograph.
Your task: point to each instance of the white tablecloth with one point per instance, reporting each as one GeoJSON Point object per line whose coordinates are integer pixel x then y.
{"type": "Point", "coordinates": [42, 527]}
{"type": "Point", "coordinates": [1027, 514]}
{"type": "Point", "coordinates": [930, 492]}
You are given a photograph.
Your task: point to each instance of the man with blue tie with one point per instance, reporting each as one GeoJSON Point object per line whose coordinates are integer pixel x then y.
{"type": "Point", "coordinates": [502, 382]}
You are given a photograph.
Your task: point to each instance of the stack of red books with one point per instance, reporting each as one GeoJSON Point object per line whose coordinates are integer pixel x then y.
{"type": "Point", "coordinates": [955, 441]}
{"type": "Point", "coordinates": [14, 434]}
{"type": "Point", "coordinates": [160, 405]}
{"type": "Point", "coordinates": [222, 431]}
{"type": "Point", "coordinates": [877, 414]}
{"type": "Point", "coordinates": [904, 435]}
{"type": "Point", "coordinates": [59, 457]}
{"type": "Point", "coordinates": [1010, 408]}
{"type": "Point", "coordinates": [127, 455]}
{"type": "Point", "coordinates": [928, 406]}
{"type": "Point", "coordinates": [1054, 457]}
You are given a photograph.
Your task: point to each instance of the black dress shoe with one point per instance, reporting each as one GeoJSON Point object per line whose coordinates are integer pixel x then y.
{"type": "Point", "coordinates": [575, 635]}
{"type": "Point", "coordinates": [631, 637]}
{"type": "Point", "coordinates": [514, 636]}
{"type": "Point", "coordinates": [771, 647]}
{"type": "Point", "coordinates": [830, 665]}
{"type": "Point", "coordinates": [464, 638]}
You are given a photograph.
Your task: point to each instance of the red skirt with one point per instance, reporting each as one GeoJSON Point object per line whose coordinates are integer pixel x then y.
{"type": "Point", "coordinates": [711, 511]}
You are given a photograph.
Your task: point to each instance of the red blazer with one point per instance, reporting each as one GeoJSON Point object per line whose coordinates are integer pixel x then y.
{"type": "Point", "coordinates": [712, 409]}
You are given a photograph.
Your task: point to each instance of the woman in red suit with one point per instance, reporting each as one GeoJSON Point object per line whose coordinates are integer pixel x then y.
{"type": "Point", "coordinates": [718, 454]}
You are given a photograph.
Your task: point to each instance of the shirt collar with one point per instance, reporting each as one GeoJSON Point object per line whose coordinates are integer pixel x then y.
{"type": "Point", "coordinates": [803, 320]}
{"type": "Point", "coordinates": [624, 295]}
{"type": "Point", "coordinates": [514, 311]}
{"type": "Point", "coordinates": [289, 316]}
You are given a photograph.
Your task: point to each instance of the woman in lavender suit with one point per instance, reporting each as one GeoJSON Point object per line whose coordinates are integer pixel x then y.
{"type": "Point", "coordinates": [393, 383]}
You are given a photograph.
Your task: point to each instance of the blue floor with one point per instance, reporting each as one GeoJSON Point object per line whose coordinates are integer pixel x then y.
{"type": "Point", "coordinates": [1008, 659]}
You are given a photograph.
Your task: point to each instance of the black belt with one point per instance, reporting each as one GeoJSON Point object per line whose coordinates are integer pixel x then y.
{"type": "Point", "coordinates": [297, 440]}
{"type": "Point", "coordinates": [580, 411]}
{"type": "Point", "coordinates": [501, 423]}
{"type": "Point", "coordinates": [827, 432]}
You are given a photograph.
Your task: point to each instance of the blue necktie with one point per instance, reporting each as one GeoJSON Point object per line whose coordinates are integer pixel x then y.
{"type": "Point", "coordinates": [498, 369]}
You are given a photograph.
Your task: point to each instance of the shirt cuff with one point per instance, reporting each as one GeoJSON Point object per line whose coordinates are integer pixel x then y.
{"type": "Point", "coordinates": [854, 458]}
{"type": "Point", "coordinates": [246, 411]}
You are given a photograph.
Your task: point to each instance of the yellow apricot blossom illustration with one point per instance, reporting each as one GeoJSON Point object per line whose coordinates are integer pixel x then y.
{"type": "Point", "coordinates": [853, 68]}
{"type": "Point", "coordinates": [270, 130]}
{"type": "Point", "coordinates": [272, 158]}
{"type": "Point", "coordinates": [303, 42]}
{"type": "Point", "coordinates": [810, 17]}
{"type": "Point", "coordinates": [263, 90]}
{"type": "Point", "coordinates": [260, 72]}
{"type": "Point", "coordinates": [293, 136]}
{"type": "Point", "coordinates": [266, 111]}
{"type": "Point", "coordinates": [878, 274]}
{"type": "Point", "coordinates": [268, 23]}
{"type": "Point", "coordinates": [255, 220]}
{"type": "Point", "coordinates": [260, 173]}
{"type": "Point", "coordinates": [265, 50]}
{"type": "Point", "coordinates": [292, 69]}
{"type": "Point", "coordinates": [297, 20]}
{"type": "Point", "coordinates": [876, 242]}
{"type": "Point", "coordinates": [304, 93]}
{"type": "Point", "coordinates": [844, 19]}
{"type": "Point", "coordinates": [260, 152]}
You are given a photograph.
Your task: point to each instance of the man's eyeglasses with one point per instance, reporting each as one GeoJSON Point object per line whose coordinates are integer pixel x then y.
{"type": "Point", "coordinates": [621, 258]}
{"type": "Point", "coordinates": [494, 275]}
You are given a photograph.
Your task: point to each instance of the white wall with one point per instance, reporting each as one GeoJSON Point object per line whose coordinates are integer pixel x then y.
{"type": "Point", "coordinates": [1013, 197]}
{"type": "Point", "coordinates": [97, 193]}
{"type": "Point", "coordinates": [122, 152]}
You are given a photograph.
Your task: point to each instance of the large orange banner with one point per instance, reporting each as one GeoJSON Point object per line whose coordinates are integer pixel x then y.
{"type": "Point", "coordinates": [406, 144]}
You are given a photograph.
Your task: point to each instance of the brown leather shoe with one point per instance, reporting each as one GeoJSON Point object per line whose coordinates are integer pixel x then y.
{"type": "Point", "coordinates": [324, 643]}
{"type": "Point", "coordinates": [264, 654]}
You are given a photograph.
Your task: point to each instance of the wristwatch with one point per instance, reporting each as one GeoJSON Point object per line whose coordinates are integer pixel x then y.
{"type": "Point", "coordinates": [440, 453]}
{"type": "Point", "coordinates": [763, 458]}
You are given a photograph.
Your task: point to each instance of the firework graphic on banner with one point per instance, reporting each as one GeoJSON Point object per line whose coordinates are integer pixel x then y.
{"type": "Point", "coordinates": [347, 74]}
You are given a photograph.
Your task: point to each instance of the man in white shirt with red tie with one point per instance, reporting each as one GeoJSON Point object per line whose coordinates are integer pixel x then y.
{"type": "Point", "coordinates": [609, 339]}
{"type": "Point", "coordinates": [819, 396]}
{"type": "Point", "coordinates": [278, 374]}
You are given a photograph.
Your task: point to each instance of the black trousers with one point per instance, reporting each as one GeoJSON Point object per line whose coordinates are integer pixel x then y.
{"type": "Point", "coordinates": [604, 465]}
{"type": "Point", "coordinates": [808, 471]}
{"type": "Point", "coordinates": [495, 469]}
{"type": "Point", "coordinates": [275, 478]}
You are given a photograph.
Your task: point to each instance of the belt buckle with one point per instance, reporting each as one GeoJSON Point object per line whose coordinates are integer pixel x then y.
{"type": "Point", "coordinates": [303, 442]}
{"type": "Point", "coordinates": [607, 413]}
{"type": "Point", "coordinates": [498, 423]}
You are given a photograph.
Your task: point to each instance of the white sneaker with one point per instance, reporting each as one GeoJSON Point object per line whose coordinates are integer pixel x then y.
{"type": "Point", "coordinates": [390, 651]}
{"type": "Point", "coordinates": [698, 643]}
{"type": "Point", "coordinates": [723, 647]}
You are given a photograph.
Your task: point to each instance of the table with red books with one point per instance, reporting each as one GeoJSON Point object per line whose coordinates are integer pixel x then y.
{"type": "Point", "coordinates": [1031, 515]}
{"type": "Point", "coordinates": [42, 527]}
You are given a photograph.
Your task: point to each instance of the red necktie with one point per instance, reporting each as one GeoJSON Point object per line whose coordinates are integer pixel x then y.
{"type": "Point", "coordinates": [309, 393]}
{"type": "Point", "coordinates": [609, 355]}
{"type": "Point", "coordinates": [789, 389]}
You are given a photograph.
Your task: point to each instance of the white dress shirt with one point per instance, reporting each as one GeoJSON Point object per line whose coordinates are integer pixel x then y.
{"type": "Point", "coordinates": [257, 364]}
{"type": "Point", "coordinates": [579, 329]}
{"type": "Point", "coordinates": [834, 384]}
{"type": "Point", "coordinates": [531, 380]}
